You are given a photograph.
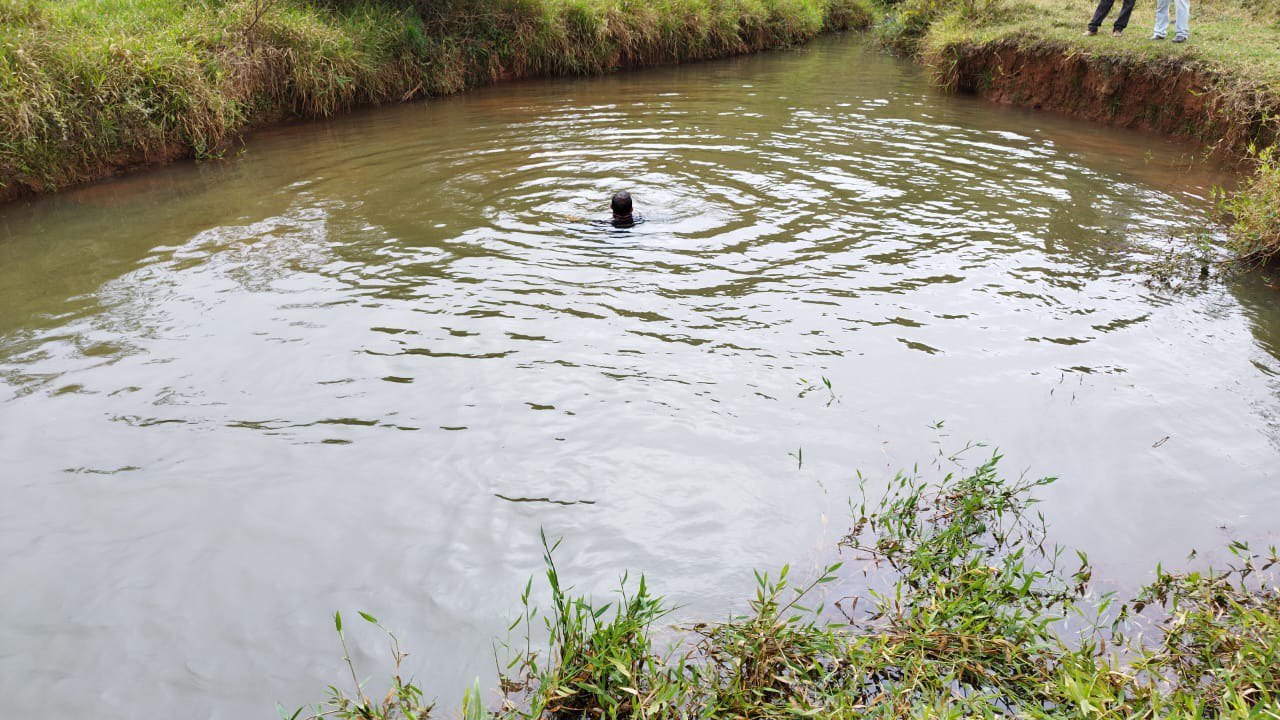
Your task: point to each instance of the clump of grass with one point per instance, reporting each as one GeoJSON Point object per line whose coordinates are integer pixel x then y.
{"type": "Point", "coordinates": [1219, 645]}
{"type": "Point", "coordinates": [969, 622]}
{"type": "Point", "coordinates": [600, 662]}
{"type": "Point", "coordinates": [904, 26]}
{"type": "Point", "coordinates": [1254, 209]}
{"type": "Point", "coordinates": [773, 659]}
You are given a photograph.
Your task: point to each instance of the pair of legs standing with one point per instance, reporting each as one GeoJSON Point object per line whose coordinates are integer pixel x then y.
{"type": "Point", "coordinates": [1181, 24]}
{"type": "Point", "coordinates": [1122, 20]}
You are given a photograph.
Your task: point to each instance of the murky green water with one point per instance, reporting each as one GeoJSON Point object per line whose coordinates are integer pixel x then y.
{"type": "Point", "coordinates": [360, 366]}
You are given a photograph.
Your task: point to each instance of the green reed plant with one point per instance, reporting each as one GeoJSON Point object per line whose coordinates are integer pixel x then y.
{"type": "Point", "coordinates": [473, 704]}
{"type": "Point", "coordinates": [404, 699]}
{"type": "Point", "coordinates": [600, 659]}
{"type": "Point", "coordinates": [778, 658]}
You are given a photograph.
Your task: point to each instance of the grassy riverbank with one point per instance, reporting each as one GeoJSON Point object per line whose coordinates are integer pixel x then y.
{"type": "Point", "coordinates": [1222, 88]}
{"type": "Point", "coordinates": [90, 87]}
{"type": "Point", "coordinates": [976, 617]}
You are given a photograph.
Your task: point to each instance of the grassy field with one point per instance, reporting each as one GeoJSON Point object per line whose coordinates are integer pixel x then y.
{"type": "Point", "coordinates": [88, 87]}
{"type": "Point", "coordinates": [972, 623]}
{"type": "Point", "coordinates": [1236, 37]}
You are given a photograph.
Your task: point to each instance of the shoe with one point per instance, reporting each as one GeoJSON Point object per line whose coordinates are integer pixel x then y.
{"type": "Point", "coordinates": [1157, 37]}
{"type": "Point", "coordinates": [1117, 33]}
{"type": "Point", "coordinates": [1090, 32]}
{"type": "Point", "coordinates": [1179, 38]}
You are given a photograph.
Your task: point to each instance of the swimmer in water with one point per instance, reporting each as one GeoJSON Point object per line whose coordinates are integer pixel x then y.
{"type": "Point", "coordinates": [622, 214]}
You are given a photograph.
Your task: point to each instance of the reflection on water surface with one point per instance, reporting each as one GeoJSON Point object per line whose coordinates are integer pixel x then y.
{"type": "Point", "coordinates": [362, 365]}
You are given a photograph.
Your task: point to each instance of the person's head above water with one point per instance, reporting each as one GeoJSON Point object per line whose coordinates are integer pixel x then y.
{"type": "Point", "coordinates": [621, 204]}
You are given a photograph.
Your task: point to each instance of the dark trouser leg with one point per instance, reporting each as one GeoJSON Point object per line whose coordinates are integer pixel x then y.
{"type": "Point", "coordinates": [1104, 7]}
{"type": "Point", "coordinates": [1122, 20]}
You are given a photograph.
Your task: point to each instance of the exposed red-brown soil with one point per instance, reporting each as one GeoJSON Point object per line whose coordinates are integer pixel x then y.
{"type": "Point", "coordinates": [1174, 97]}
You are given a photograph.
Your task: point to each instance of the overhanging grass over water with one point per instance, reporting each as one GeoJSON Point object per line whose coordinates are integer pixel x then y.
{"type": "Point", "coordinates": [972, 623]}
{"type": "Point", "coordinates": [86, 86]}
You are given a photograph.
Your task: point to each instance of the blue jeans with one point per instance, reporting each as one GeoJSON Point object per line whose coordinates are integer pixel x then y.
{"type": "Point", "coordinates": [1181, 25]}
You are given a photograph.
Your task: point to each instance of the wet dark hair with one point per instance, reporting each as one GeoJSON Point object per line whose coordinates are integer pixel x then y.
{"type": "Point", "coordinates": [621, 203]}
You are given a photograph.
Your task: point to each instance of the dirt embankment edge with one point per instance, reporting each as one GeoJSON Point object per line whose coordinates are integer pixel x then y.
{"type": "Point", "coordinates": [1178, 97]}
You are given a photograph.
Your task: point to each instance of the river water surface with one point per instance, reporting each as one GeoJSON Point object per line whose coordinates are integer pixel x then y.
{"type": "Point", "coordinates": [360, 365]}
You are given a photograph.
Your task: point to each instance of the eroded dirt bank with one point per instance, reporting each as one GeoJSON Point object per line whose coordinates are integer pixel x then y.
{"type": "Point", "coordinates": [1175, 97]}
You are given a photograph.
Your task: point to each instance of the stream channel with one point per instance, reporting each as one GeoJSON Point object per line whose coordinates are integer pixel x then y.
{"type": "Point", "coordinates": [360, 364]}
